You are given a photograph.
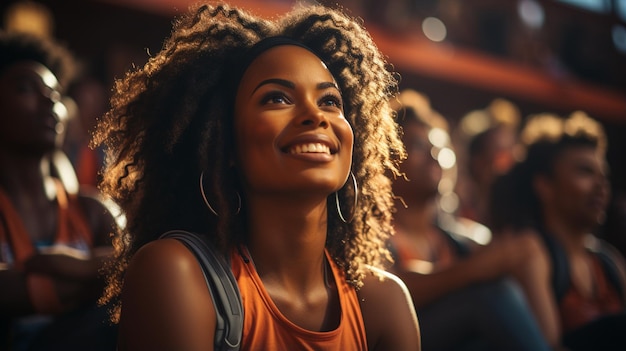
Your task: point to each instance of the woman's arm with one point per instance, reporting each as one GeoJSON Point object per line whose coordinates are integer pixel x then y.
{"type": "Point", "coordinates": [389, 315]}
{"type": "Point", "coordinates": [77, 275]}
{"type": "Point", "coordinates": [499, 258]}
{"type": "Point", "coordinates": [520, 256]}
{"type": "Point", "coordinates": [166, 304]}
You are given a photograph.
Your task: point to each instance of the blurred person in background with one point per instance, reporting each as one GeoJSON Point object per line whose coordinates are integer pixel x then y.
{"type": "Point", "coordinates": [560, 191]}
{"type": "Point", "coordinates": [485, 141]}
{"type": "Point", "coordinates": [468, 295]}
{"type": "Point", "coordinates": [53, 240]}
{"type": "Point", "coordinates": [91, 100]}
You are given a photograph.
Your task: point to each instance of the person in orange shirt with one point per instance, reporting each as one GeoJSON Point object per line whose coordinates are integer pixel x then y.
{"type": "Point", "coordinates": [53, 238]}
{"type": "Point", "coordinates": [561, 191]}
{"type": "Point", "coordinates": [272, 139]}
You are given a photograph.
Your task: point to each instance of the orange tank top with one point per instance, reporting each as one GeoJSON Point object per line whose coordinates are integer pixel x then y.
{"type": "Point", "coordinates": [577, 310]}
{"type": "Point", "coordinates": [16, 246]}
{"type": "Point", "coordinates": [266, 328]}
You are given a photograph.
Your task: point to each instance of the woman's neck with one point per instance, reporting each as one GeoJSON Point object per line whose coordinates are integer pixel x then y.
{"type": "Point", "coordinates": [570, 235]}
{"type": "Point", "coordinates": [23, 175]}
{"type": "Point", "coordinates": [287, 237]}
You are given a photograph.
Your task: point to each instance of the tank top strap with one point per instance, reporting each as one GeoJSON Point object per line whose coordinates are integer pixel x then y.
{"type": "Point", "coordinates": [72, 224]}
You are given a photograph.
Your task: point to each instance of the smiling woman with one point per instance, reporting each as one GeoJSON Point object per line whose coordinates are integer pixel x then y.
{"type": "Point", "coordinates": [273, 117]}
{"type": "Point", "coordinates": [292, 124]}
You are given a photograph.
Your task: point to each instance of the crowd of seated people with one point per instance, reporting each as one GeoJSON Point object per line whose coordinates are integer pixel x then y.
{"type": "Point", "coordinates": [468, 295]}
{"type": "Point", "coordinates": [541, 279]}
{"type": "Point", "coordinates": [543, 211]}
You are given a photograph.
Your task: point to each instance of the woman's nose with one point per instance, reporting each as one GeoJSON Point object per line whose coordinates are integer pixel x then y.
{"type": "Point", "coordinates": [312, 115]}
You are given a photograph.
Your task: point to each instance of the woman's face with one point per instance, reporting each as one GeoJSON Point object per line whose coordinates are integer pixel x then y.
{"type": "Point", "coordinates": [579, 189]}
{"type": "Point", "coordinates": [290, 131]}
{"type": "Point", "coordinates": [31, 113]}
{"type": "Point", "coordinates": [422, 170]}
{"type": "Point", "coordinates": [497, 155]}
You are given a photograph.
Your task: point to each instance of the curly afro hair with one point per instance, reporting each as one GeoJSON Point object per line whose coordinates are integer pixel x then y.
{"type": "Point", "coordinates": [172, 119]}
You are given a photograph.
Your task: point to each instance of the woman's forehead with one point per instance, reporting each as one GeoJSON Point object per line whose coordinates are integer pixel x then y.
{"type": "Point", "coordinates": [287, 59]}
{"type": "Point", "coordinates": [34, 68]}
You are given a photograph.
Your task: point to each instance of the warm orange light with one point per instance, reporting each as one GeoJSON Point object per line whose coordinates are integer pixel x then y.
{"type": "Point", "coordinates": [29, 17]}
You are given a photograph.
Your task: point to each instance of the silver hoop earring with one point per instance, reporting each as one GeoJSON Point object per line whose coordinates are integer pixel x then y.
{"type": "Point", "coordinates": [206, 201]}
{"type": "Point", "coordinates": [356, 197]}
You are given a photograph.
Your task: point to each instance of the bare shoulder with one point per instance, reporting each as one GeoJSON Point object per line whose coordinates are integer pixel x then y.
{"type": "Point", "coordinates": [166, 304]}
{"type": "Point", "coordinates": [388, 313]}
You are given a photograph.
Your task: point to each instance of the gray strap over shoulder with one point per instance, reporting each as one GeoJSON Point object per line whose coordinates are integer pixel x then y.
{"type": "Point", "coordinates": [223, 288]}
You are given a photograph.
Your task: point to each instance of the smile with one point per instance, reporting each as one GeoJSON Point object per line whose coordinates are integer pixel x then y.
{"type": "Point", "coordinates": [316, 148]}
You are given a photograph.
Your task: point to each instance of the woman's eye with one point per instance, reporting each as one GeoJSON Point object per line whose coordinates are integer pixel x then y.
{"type": "Point", "coordinates": [275, 98]}
{"type": "Point", "coordinates": [332, 100]}
{"type": "Point", "coordinates": [586, 170]}
{"type": "Point", "coordinates": [26, 86]}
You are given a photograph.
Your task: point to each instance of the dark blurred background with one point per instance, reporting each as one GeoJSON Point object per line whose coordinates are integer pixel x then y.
{"type": "Point", "coordinates": [555, 56]}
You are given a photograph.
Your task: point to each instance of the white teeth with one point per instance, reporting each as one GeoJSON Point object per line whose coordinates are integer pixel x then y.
{"type": "Point", "coordinates": [310, 148]}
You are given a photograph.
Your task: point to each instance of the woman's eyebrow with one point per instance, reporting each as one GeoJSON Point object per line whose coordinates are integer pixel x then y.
{"type": "Point", "coordinates": [292, 85]}
{"type": "Point", "coordinates": [326, 85]}
{"type": "Point", "coordinates": [283, 82]}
